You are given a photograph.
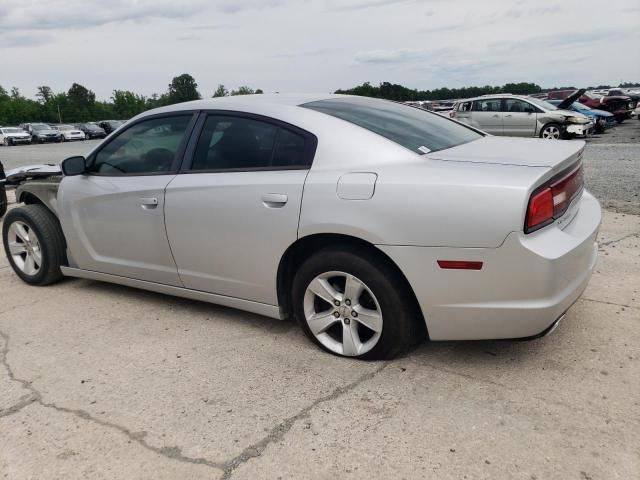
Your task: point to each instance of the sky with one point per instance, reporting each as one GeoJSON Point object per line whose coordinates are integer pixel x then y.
{"type": "Point", "coordinates": [315, 45]}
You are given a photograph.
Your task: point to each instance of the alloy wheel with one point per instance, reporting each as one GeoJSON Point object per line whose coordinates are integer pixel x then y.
{"type": "Point", "coordinates": [24, 248]}
{"type": "Point", "coordinates": [343, 313]}
{"type": "Point", "coordinates": [551, 133]}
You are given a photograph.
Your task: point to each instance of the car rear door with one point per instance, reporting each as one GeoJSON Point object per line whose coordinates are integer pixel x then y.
{"type": "Point", "coordinates": [486, 114]}
{"type": "Point", "coordinates": [234, 209]}
{"type": "Point", "coordinates": [113, 217]}
{"type": "Point", "coordinates": [518, 118]}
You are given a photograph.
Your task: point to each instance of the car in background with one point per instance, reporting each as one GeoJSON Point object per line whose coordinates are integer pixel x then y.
{"type": "Point", "coordinates": [91, 130]}
{"type": "Point", "coordinates": [69, 132]}
{"type": "Point", "coordinates": [521, 116]}
{"type": "Point", "coordinates": [13, 136]}
{"type": "Point", "coordinates": [636, 112]}
{"type": "Point", "coordinates": [619, 92]}
{"type": "Point", "coordinates": [42, 133]}
{"type": "Point", "coordinates": [110, 125]}
{"type": "Point", "coordinates": [619, 106]}
{"type": "Point", "coordinates": [602, 119]}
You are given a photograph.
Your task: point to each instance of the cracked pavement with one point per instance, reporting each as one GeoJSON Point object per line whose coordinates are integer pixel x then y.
{"type": "Point", "coordinates": [103, 381]}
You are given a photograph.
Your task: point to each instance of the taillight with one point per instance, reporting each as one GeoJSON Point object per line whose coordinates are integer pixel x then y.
{"type": "Point", "coordinates": [552, 200]}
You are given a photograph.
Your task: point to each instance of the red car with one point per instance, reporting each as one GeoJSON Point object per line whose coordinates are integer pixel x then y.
{"type": "Point", "coordinates": [619, 105]}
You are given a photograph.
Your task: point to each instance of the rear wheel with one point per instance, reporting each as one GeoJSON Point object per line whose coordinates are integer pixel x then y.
{"type": "Point", "coordinates": [34, 244]}
{"type": "Point", "coordinates": [551, 131]}
{"type": "Point", "coordinates": [353, 305]}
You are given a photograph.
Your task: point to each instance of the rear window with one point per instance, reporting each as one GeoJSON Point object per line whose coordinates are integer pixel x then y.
{"type": "Point", "coordinates": [418, 130]}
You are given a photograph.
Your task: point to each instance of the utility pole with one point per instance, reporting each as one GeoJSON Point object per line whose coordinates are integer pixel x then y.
{"type": "Point", "coordinates": [59, 116]}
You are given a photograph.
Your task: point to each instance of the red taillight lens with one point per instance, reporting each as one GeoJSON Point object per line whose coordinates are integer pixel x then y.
{"type": "Point", "coordinates": [554, 199]}
{"type": "Point", "coordinates": [540, 210]}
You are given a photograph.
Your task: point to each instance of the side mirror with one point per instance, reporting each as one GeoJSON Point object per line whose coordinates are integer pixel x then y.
{"type": "Point", "coordinates": [528, 110]}
{"type": "Point", "coordinates": [74, 166]}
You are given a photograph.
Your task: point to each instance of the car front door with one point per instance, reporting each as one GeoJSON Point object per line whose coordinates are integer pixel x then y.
{"type": "Point", "coordinates": [519, 118]}
{"type": "Point", "coordinates": [234, 210]}
{"type": "Point", "coordinates": [113, 217]}
{"type": "Point", "coordinates": [486, 114]}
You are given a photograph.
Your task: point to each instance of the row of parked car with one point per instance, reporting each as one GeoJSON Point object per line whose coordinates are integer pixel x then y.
{"type": "Point", "coordinates": [558, 114]}
{"type": "Point", "coordinates": [27, 133]}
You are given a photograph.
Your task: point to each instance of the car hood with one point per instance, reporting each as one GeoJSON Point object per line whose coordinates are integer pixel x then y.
{"type": "Point", "coordinates": [566, 103]}
{"type": "Point", "coordinates": [527, 152]}
{"type": "Point", "coordinates": [20, 134]}
{"type": "Point", "coordinates": [600, 113]}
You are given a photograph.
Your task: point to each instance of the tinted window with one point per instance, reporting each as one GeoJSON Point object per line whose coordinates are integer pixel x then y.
{"type": "Point", "coordinates": [413, 128]}
{"type": "Point", "coordinates": [147, 147]}
{"type": "Point", "coordinates": [237, 143]}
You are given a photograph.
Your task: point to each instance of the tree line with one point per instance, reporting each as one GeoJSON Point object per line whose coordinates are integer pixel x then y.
{"type": "Point", "coordinates": [400, 93]}
{"type": "Point", "coordinates": [79, 104]}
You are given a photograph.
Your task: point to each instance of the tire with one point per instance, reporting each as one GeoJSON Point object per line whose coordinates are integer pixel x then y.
{"type": "Point", "coordinates": [551, 131]}
{"type": "Point", "coordinates": [48, 242]}
{"type": "Point", "coordinates": [3, 199]}
{"type": "Point", "coordinates": [385, 293]}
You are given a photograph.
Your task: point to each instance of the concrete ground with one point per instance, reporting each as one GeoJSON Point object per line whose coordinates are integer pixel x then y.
{"type": "Point", "coordinates": [102, 381]}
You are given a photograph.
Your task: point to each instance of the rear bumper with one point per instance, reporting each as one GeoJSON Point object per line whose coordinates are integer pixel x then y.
{"type": "Point", "coordinates": [525, 285]}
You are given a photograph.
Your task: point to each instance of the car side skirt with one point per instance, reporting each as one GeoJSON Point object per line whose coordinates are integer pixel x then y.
{"type": "Point", "coordinates": [271, 311]}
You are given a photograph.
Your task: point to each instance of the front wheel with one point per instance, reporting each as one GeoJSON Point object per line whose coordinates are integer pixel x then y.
{"type": "Point", "coordinates": [34, 244]}
{"type": "Point", "coordinates": [354, 305]}
{"type": "Point", "coordinates": [552, 131]}
{"type": "Point", "coordinates": [3, 200]}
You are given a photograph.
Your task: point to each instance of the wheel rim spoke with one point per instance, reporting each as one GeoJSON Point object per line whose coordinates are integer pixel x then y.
{"type": "Point", "coordinates": [324, 290]}
{"type": "Point", "coordinates": [21, 231]}
{"type": "Point", "coordinates": [369, 318]}
{"type": "Point", "coordinates": [353, 288]}
{"type": "Point", "coordinates": [37, 257]}
{"type": "Point", "coordinates": [350, 340]}
{"type": "Point", "coordinates": [29, 265]}
{"type": "Point", "coordinates": [320, 322]}
{"type": "Point", "coordinates": [17, 248]}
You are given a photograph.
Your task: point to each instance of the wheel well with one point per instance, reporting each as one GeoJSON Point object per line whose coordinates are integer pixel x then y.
{"type": "Point", "coordinates": [30, 199]}
{"type": "Point", "coordinates": [304, 247]}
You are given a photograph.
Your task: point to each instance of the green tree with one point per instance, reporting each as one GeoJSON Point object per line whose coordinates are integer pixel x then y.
{"type": "Point", "coordinates": [44, 94]}
{"type": "Point", "coordinates": [243, 91]}
{"type": "Point", "coordinates": [182, 89]}
{"type": "Point", "coordinates": [259, 91]}
{"type": "Point", "coordinates": [127, 104]}
{"type": "Point", "coordinates": [221, 91]}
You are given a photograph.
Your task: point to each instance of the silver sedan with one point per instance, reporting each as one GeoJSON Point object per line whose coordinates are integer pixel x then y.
{"type": "Point", "coordinates": [373, 224]}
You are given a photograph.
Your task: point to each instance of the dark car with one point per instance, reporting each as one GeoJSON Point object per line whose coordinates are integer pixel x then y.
{"type": "Point", "coordinates": [91, 130]}
{"type": "Point", "coordinates": [3, 193]}
{"type": "Point", "coordinates": [620, 106]}
{"type": "Point", "coordinates": [41, 132]}
{"type": "Point", "coordinates": [110, 125]}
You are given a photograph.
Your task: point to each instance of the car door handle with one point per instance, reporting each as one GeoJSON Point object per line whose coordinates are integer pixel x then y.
{"type": "Point", "coordinates": [496, 115]}
{"type": "Point", "coordinates": [508, 115]}
{"type": "Point", "coordinates": [149, 203]}
{"type": "Point", "coordinates": [274, 200]}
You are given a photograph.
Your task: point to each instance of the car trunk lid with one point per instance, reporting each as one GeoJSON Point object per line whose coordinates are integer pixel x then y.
{"type": "Point", "coordinates": [527, 152]}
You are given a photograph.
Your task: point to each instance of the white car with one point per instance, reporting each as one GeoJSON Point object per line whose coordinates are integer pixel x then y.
{"type": "Point", "coordinates": [70, 133]}
{"type": "Point", "coordinates": [374, 224]}
{"type": "Point", "coordinates": [14, 136]}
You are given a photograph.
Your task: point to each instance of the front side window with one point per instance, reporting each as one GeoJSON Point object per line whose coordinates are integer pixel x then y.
{"type": "Point", "coordinates": [513, 105]}
{"type": "Point", "coordinates": [416, 129]}
{"type": "Point", "coordinates": [238, 143]}
{"type": "Point", "coordinates": [147, 147]}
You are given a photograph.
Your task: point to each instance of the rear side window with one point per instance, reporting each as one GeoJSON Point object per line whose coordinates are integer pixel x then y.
{"type": "Point", "coordinates": [413, 128]}
{"type": "Point", "coordinates": [240, 143]}
{"type": "Point", "coordinates": [487, 105]}
{"type": "Point", "coordinates": [464, 106]}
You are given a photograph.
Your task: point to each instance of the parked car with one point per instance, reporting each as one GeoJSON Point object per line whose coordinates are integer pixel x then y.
{"type": "Point", "coordinates": [620, 106]}
{"type": "Point", "coordinates": [110, 125]}
{"type": "Point", "coordinates": [602, 119]}
{"type": "Point", "coordinates": [41, 132]}
{"type": "Point", "coordinates": [636, 112]}
{"type": "Point", "coordinates": [91, 130]}
{"type": "Point", "coordinates": [13, 136]}
{"type": "Point", "coordinates": [3, 193]}
{"type": "Point", "coordinates": [521, 116]}
{"type": "Point", "coordinates": [69, 132]}
{"type": "Point", "coordinates": [410, 223]}
{"type": "Point", "coordinates": [619, 92]}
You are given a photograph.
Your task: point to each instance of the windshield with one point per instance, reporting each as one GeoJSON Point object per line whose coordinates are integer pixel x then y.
{"type": "Point", "coordinates": [418, 130]}
{"type": "Point", "coordinates": [40, 126]}
{"type": "Point", "coordinates": [13, 130]}
{"type": "Point", "coordinates": [542, 103]}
